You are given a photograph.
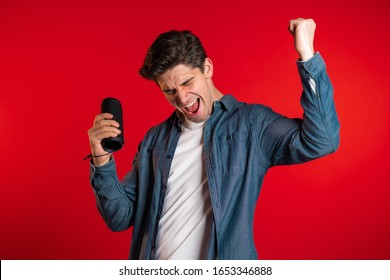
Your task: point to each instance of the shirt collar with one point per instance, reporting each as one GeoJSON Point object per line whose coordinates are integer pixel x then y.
{"type": "Point", "coordinates": [227, 102]}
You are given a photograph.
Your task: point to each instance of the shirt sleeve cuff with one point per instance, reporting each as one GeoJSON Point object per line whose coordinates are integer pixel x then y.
{"type": "Point", "coordinates": [106, 168]}
{"type": "Point", "coordinates": [312, 66]}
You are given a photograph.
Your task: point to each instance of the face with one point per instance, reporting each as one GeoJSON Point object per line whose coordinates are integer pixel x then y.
{"type": "Point", "coordinates": [190, 91]}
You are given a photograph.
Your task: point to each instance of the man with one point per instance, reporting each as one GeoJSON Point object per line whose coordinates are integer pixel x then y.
{"type": "Point", "coordinates": [195, 180]}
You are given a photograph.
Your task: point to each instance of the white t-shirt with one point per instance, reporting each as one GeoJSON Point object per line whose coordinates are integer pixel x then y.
{"type": "Point", "coordinates": [186, 220]}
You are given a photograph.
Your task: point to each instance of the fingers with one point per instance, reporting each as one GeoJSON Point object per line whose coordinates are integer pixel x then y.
{"type": "Point", "coordinates": [103, 127]}
{"type": "Point", "coordinates": [98, 133]}
{"type": "Point", "coordinates": [301, 23]}
{"type": "Point", "coordinates": [291, 26]}
{"type": "Point", "coordinates": [105, 120]}
{"type": "Point", "coordinates": [104, 116]}
{"type": "Point", "coordinates": [303, 31]}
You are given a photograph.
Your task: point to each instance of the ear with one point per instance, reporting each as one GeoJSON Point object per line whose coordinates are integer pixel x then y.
{"type": "Point", "coordinates": [208, 68]}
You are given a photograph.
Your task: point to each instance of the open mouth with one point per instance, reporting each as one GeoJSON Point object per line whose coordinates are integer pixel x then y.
{"type": "Point", "coordinates": [193, 106]}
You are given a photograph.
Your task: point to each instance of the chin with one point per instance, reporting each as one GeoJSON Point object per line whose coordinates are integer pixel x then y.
{"type": "Point", "coordinates": [198, 119]}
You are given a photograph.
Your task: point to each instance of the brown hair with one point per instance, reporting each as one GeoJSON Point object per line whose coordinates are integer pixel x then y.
{"type": "Point", "coordinates": [171, 49]}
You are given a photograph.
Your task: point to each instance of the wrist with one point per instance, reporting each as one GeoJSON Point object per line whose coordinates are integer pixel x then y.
{"type": "Point", "coordinates": [305, 56]}
{"type": "Point", "coordinates": [101, 160]}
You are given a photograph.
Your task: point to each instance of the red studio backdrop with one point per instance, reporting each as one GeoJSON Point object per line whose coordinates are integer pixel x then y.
{"type": "Point", "coordinates": [59, 59]}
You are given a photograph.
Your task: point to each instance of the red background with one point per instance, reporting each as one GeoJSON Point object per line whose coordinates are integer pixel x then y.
{"type": "Point", "coordinates": [59, 59]}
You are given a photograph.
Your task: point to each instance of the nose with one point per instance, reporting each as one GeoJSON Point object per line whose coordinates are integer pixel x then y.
{"type": "Point", "coordinates": [181, 96]}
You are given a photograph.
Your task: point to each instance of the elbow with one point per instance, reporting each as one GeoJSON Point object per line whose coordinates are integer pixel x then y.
{"type": "Point", "coordinates": [318, 145]}
{"type": "Point", "coordinates": [320, 148]}
{"type": "Point", "coordinates": [329, 149]}
{"type": "Point", "coordinates": [330, 146]}
{"type": "Point", "coordinates": [117, 226]}
{"type": "Point", "coordinates": [118, 220]}
{"type": "Point", "coordinates": [334, 137]}
{"type": "Point", "coordinates": [330, 141]}
{"type": "Point", "coordinates": [334, 141]}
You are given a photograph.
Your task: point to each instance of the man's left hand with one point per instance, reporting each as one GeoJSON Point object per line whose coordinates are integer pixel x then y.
{"type": "Point", "coordinates": [303, 32]}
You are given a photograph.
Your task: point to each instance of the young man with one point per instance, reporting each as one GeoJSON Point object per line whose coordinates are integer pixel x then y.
{"type": "Point", "coordinates": [195, 180]}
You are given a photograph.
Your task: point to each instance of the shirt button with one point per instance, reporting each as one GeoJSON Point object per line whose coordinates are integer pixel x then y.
{"type": "Point", "coordinates": [169, 156]}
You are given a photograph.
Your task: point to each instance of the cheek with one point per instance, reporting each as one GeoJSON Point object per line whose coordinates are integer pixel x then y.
{"type": "Point", "coordinates": [197, 86]}
{"type": "Point", "coordinates": [171, 100]}
{"type": "Point", "coordinates": [200, 91]}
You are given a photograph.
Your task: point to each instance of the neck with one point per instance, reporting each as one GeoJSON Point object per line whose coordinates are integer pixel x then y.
{"type": "Point", "coordinates": [215, 93]}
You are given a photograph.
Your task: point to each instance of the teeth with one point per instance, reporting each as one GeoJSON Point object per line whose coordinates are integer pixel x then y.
{"type": "Point", "coordinates": [190, 104]}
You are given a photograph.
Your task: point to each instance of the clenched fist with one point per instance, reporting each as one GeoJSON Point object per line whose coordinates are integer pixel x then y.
{"type": "Point", "coordinates": [303, 32]}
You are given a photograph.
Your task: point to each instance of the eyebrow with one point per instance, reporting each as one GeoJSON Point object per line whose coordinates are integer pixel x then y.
{"type": "Point", "coordinates": [186, 82]}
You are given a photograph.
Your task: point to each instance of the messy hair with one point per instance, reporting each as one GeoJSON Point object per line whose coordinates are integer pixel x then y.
{"type": "Point", "coordinates": [171, 49]}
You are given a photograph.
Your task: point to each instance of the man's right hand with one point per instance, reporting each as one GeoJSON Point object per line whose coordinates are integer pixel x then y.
{"type": "Point", "coordinates": [103, 127]}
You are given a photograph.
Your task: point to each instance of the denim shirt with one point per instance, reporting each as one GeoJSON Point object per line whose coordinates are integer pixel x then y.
{"type": "Point", "coordinates": [241, 141]}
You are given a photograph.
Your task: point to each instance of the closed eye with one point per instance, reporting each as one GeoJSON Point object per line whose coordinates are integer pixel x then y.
{"type": "Point", "coordinates": [187, 82]}
{"type": "Point", "coordinates": [169, 91]}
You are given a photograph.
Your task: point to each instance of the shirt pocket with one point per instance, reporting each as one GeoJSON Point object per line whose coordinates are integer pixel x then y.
{"type": "Point", "coordinates": [234, 148]}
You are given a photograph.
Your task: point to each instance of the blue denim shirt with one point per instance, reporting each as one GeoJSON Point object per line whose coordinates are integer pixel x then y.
{"type": "Point", "coordinates": [241, 141]}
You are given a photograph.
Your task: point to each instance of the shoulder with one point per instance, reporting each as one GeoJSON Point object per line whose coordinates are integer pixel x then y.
{"type": "Point", "coordinates": [230, 102]}
{"type": "Point", "coordinates": [249, 110]}
{"type": "Point", "coordinates": [160, 131]}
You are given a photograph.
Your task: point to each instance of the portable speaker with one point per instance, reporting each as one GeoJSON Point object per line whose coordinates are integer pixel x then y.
{"type": "Point", "coordinates": [114, 107]}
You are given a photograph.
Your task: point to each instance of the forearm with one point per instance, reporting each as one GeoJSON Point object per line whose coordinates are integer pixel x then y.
{"type": "Point", "coordinates": [320, 126]}
{"type": "Point", "coordinates": [290, 141]}
{"type": "Point", "coordinates": [114, 204]}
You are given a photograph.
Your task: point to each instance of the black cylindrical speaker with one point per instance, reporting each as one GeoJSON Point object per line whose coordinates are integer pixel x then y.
{"type": "Point", "coordinates": [114, 107]}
